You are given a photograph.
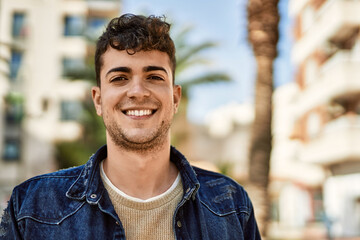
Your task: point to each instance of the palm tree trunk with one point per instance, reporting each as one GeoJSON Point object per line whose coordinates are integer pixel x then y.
{"type": "Point", "coordinates": [260, 147]}
{"type": "Point", "coordinates": [263, 19]}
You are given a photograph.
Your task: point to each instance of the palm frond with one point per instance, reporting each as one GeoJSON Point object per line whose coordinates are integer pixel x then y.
{"type": "Point", "coordinates": [206, 78]}
{"type": "Point", "coordinates": [87, 73]}
{"type": "Point", "coordinates": [194, 61]}
{"type": "Point", "coordinates": [191, 51]}
{"type": "Point", "coordinates": [180, 38]}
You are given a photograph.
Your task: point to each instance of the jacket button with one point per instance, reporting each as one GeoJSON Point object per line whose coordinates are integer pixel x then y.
{"type": "Point", "coordinates": [117, 223]}
{"type": "Point", "coordinates": [178, 224]}
{"type": "Point", "coordinates": [93, 196]}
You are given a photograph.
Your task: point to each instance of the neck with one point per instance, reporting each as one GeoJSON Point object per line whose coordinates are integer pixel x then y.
{"type": "Point", "coordinates": [140, 174]}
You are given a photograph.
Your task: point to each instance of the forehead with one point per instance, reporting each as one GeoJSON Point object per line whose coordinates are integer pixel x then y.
{"type": "Point", "coordinates": [115, 58]}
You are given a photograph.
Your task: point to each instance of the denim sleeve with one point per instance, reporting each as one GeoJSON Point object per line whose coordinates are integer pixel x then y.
{"type": "Point", "coordinates": [251, 230]}
{"type": "Point", "coordinates": [8, 226]}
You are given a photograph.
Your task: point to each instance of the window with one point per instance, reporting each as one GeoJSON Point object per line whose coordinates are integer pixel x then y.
{"type": "Point", "coordinates": [70, 110]}
{"type": "Point", "coordinates": [274, 210]}
{"type": "Point", "coordinates": [72, 66]}
{"type": "Point", "coordinates": [95, 26]}
{"type": "Point", "coordinates": [14, 113]}
{"type": "Point", "coordinates": [97, 22]}
{"type": "Point", "coordinates": [11, 151]}
{"type": "Point", "coordinates": [15, 63]}
{"type": "Point", "coordinates": [74, 26]}
{"type": "Point", "coordinates": [18, 25]}
{"type": "Point", "coordinates": [317, 205]}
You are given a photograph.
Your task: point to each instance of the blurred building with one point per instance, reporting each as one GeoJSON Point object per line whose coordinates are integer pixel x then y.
{"type": "Point", "coordinates": [295, 186]}
{"type": "Point", "coordinates": [325, 115]}
{"type": "Point", "coordinates": [41, 44]}
{"type": "Point", "coordinates": [224, 140]}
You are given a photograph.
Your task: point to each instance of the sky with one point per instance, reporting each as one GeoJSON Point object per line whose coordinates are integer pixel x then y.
{"type": "Point", "coordinates": [225, 23]}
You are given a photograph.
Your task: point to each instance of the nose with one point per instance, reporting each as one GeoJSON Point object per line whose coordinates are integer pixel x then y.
{"type": "Point", "coordinates": [137, 89]}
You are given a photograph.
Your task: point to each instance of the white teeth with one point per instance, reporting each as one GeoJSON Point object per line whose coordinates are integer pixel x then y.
{"type": "Point", "coordinates": [138, 113]}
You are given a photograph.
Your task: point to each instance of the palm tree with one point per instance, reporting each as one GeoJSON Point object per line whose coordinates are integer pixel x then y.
{"type": "Point", "coordinates": [263, 19]}
{"type": "Point", "coordinates": [188, 56]}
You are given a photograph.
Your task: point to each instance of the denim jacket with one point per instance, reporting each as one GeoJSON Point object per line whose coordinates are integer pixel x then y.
{"type": "Point", "coordinates": [74, 204]}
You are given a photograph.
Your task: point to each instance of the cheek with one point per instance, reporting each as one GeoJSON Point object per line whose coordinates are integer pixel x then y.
{"type": "Point", "coordinates": [110, 98]}
{"type": "Point", "coordinates": [171, 106]}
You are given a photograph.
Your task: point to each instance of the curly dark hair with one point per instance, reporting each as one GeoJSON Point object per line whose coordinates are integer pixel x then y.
{"type": "Point", "coordinates": [134, 33]}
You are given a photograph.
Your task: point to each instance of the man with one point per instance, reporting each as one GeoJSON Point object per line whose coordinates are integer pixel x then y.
{"type": "Point", "coordinates": [137, 186]}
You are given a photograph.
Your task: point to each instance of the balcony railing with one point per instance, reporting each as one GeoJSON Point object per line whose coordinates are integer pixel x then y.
{"type": "Point", "coordinates": [338, 77]}
{"type": "Point", "coordinates": [337, 143]}
{"type": "Point", "coordinates": [334, 19]}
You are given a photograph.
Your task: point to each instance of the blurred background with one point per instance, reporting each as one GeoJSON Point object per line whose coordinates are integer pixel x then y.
{"type": "Point", "coordinates": [271, 98]}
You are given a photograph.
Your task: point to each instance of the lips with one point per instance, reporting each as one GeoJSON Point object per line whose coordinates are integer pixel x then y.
{"type": "Point", "coordinates": [138, 109]}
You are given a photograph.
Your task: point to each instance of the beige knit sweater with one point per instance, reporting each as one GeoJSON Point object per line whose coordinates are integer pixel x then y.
{"type": "Point", "coordinates": [146, 219]}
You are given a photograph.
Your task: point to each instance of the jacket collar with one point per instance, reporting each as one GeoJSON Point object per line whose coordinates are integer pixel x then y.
{"type": "Point", "coordinates": [90, 187]}
{"type": "Point", "coordinates": [188, 175]}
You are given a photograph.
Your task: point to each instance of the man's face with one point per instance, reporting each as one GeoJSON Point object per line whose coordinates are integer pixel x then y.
{"type": "Point", "coordinates": [137, 98]}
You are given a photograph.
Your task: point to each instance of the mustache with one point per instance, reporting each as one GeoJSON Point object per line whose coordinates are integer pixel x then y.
{"type": "Point", "coordinates": [138, 103]}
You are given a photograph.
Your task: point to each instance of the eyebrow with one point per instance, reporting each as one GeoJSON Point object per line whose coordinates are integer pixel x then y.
{"type": "Point", "coordinates": [145, 69]}
{"type": "Point", "coordinates": [119, 69]}
{"type": "Point", "coordinates": [154, 68]}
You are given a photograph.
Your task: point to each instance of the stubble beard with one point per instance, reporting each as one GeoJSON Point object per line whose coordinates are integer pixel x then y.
{"type": "Point", "coordinates": [151, 142]}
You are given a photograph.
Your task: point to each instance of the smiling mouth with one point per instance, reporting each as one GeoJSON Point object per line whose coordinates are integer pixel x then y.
{"type": "Point", "coordinates": [139, 113]}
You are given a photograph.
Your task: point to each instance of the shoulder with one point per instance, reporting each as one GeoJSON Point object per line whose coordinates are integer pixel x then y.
{"type": "Point", "coordinates": [221, 194]}
{"type": "Point", "coordinates": [42, 192]}
{"type": "Point", "coordinates": [50, 179]}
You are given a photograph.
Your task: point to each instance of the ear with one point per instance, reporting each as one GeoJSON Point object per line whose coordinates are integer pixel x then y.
{"type": "Point", "coordinates": [177, 96]}
{"type": "Point", "coordinates": [96, 97]}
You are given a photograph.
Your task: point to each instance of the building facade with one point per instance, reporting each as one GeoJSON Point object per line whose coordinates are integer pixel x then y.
{"type": "Point", "coordinates": [295, 186]}
{"type": "Point", "coordinates": [41, 43]}
{"type": "Point", "coordinates": [326, 54]}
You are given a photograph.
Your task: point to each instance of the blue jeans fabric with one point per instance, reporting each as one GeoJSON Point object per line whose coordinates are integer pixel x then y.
{"type": "Point", "coordinates": [74, 204]}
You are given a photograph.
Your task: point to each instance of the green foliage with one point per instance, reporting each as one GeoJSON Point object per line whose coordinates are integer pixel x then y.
{"type": "Point", "coordinates": [14, 98]}
{"type": "Point", "coordinates": [87, 72]}
{"type": "Point", "coordinates": [77, 152]}
{"type": "Point", "coordinates": [14, 107]}
{"type": "Point", "coordinates": [71, 154]}
{"type": "Point", "coordinates": [205, 78]}
{"type": "Point", "coordinates": [226, 168]}
{"type": "Point", "coordinates": [188, 56]}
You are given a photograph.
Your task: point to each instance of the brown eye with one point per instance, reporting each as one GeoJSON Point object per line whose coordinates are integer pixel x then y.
{"type": "Point", "coordinates": [118, 79]}
{"type": "Point", "coordinates": [155, 77]}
